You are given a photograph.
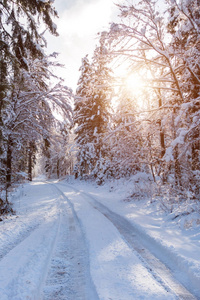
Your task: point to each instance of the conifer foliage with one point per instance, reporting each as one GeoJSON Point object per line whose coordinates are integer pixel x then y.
{"type": "Point", "coordinates": [83, 119]}
{"type": "Point", "coordinates": [92, 111]}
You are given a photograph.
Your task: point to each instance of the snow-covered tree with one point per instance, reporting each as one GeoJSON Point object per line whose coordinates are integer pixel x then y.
{"type": "Point", "coordinates": [58, 157]}
{"type": "Point", "coordinates": [92, 111]}
{"type": "Point", "coordinates": [126, 142]}
{"type": "Point", "coordinates": [20, 37]}
{"type": "Point", "coordinates": [20, 41]}
{"type": "Point", "coordinates": [184, 27]}
{"type": "Point", "coordinates": [101, 93]}
{"type": "Point", "coordinates": [83, 120]}
{"type": "Point", "coordinates": [27, 97]}
{"type": "Point", "coordinates": [162, 45]}
{"type": "Point", "coordinates": [143, 40]}
{"type": "Point", "coordinates": [28, 117]}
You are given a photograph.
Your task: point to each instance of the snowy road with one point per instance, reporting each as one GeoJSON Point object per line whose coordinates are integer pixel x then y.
{"type": "Point", "coordinates": [64, 244]}
{"type": "Point", "coordinates": [43, 251]}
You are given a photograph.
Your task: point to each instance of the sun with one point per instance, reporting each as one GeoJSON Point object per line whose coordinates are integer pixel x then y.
{"type": "Point", "coordinates": [134, 83]}
{"type": "Point", "coordinates": [131, 84]}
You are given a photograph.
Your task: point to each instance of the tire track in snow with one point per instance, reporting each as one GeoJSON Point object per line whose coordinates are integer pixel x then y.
{"type": "Point", "coordinates": [68, 275]}
{"type": "Point", "coordinates": [22, 233]}
{"type": "Point", "coordinates": [160, 272]}
{"type": "Point", "coordinates": [25, 264]}
{"type": "Point", "coordinates": [131, 235]}
{"type": "Point", "coordinates": [26, 260]}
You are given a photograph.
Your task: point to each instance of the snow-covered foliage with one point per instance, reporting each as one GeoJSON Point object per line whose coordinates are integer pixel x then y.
{"type": "Point", "coordinates": [27, 97]}
{"type": "Point", "coordinates": [155, 130]}
{"type": "Point", "coordinates": [92, 112]}
{"type": "Point", "coordinates": [58, 156]}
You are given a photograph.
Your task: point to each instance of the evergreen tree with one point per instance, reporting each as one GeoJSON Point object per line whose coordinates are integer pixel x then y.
{"type": "Point", "coordinates": [101, 93]}
{"type": "Point", "coordinates": [92, 111]}
{"type": "Point", "coordinates": [83, 120]}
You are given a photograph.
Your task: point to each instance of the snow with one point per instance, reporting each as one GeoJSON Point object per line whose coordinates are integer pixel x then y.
{"type": "Point", "coordinates": [116, 270]}
{"type": "Point", "coordinates": [182, 132]}
{"type": "Point", "coordinates": [173, 242]}
{"type": "Point", "coordinates": [169, 154]}
{"type": "Point", "coordinates": [75, 240]}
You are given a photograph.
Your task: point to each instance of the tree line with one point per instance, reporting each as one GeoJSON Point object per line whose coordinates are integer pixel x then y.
{"type": "Point", "coordinates": [156, 129]}
{"type": "Point", "coordinates": [28, 98]}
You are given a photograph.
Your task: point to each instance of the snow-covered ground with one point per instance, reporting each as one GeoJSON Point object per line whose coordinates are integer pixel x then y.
{"type": "Point", "coordinates": [74, 240]}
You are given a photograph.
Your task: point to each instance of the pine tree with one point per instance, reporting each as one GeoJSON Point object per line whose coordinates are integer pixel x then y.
{"type": "Point", "coordinates": [102, 91]}
{"type": "Point", "coordinates": [92, 111]}
{"type": "Point", "coordinates": [83, 120]}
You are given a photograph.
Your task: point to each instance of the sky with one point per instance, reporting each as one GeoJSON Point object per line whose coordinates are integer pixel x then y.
{"type": "Point", "coordinates": [78, 24]}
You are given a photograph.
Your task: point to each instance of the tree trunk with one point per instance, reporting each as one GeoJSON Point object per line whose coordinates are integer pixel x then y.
{"type": "Point", "coordinates": [9, 163]}
{"type": "Point", "coordinates": [195, 156]}
{"type": "Point", "coordinates": [177, 168]}
{"type": "Point", "coordinates": [151, 158]}
{"type": "Point", "coordinates": [58, 166]}
{"type": "Point", "coordinates": [162, 139]}
{"type": "Point", "coordinates": [162, 136]}
{"type": "Point", "coordinates": [30, 161]}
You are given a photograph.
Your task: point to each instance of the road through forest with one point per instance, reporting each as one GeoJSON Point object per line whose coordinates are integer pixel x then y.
{"type": "Point", "coordinates": [64, 244]}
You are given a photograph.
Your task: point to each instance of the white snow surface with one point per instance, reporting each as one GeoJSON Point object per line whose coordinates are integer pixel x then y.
{"type": "Point", "coordinates": [73, 240]}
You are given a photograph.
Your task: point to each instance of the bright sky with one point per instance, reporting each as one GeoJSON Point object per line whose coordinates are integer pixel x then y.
{"type": "Point", "coordinates": [78, 24]}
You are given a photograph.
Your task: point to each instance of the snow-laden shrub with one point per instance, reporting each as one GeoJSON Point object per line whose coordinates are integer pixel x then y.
{"type": "Point", "coordinates": [179, 204]}
{"type": "Point", "coordinates": [186, 214]}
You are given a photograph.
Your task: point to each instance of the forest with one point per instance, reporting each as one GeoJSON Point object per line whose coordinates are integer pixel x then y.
{"type": "Point", "coordinates": [136, 109]}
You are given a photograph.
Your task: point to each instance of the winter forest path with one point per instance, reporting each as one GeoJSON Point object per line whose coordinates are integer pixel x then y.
{"type": "Point", "coordinates": [64, 244]}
